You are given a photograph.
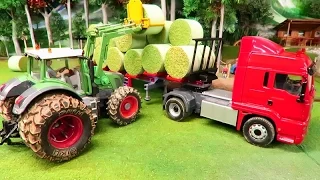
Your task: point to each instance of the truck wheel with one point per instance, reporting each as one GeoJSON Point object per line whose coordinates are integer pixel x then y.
{"type": "Point", "coordinates": [258, 131]}
{"type": "Point", "coordinates": [175, 109]}
{"type": "Point", "coordinates": [124, 105]}
{"type": "Point", "coordinates": [57, 127]}
{"type": "Point", "coordinates": [6, 108]}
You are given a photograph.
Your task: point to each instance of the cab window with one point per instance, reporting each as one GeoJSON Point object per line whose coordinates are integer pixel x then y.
{"type": "Point", "coordinates": [290, 83]}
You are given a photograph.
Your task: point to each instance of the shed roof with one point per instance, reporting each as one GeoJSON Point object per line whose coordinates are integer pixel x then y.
{"type": "Point", "coordinates": [299, 24]}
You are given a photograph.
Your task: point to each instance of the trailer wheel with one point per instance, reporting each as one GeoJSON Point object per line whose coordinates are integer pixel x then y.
{"type": "Point", "coordinates": [258, 131]}
{"type": "Point", "coordinates": [175, 109]}
{"type": "Point", "coordinates": [124, 105]}
{"type": "Point", "coordinates": [57, 127]}
{"type": "Point", "coordinates": [6, 107]}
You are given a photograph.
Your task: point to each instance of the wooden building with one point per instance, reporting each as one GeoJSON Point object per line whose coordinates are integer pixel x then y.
{"type": "Point", "coordinates": [299, 32]}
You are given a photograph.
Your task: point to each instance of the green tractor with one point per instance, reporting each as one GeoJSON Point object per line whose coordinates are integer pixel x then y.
{"type": "Point", "coordinates": [54, 107]}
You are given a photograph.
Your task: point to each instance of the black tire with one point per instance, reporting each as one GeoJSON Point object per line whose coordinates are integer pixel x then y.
{"type": "Point", "coordinates": [6, 107]}
{"type": "Point", "coordinates": [176, 109]}
{"type": "Point", "coordinates": [258, 131]}
{"type": "Point", "coordinates": [57, 127]}
{"type": "Point", "coordinates": [124, 105]}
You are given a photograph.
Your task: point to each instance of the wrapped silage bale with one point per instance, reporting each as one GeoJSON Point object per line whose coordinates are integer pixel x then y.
{"type": "Point", "coordinates": [153, 57]}
{"type": "Point", "coordinates": [115, 59]}
{"type": "Point", "coordinates": [182, 31]}
{"type": "Point", "coordinates": [133, 62]}
{"type": "Point", "coordinates": [18, 63]}
{"type": "Point", "coordinates": [178, 60]}
{"type": "Point", "coordinates": [128, 41]}
{"type": "Point", "coordinates": [162, 37]}
{"type": "Point", "coordinates": [157, 19]}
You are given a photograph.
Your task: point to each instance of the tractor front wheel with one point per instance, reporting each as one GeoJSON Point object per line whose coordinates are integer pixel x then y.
{"type": "Point", "coordinates": [57, 128]}
{"type": "Point", "coordinates": [6, 107]}
{"type": "Point", "coordinates": [124, 105]}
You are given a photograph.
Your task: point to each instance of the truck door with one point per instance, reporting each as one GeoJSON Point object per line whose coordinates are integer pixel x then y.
{"type": "Point", "coordinates": [282, 98]}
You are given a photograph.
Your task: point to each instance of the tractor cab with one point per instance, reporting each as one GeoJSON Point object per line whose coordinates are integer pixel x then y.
{"type": "Point", "coordinates": [56, 64]}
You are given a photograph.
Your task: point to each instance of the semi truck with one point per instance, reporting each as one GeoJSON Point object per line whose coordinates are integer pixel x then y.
{"type": "Point", "coordinates": [272, 94]}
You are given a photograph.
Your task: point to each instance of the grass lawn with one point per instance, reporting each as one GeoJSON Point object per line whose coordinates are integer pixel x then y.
{"type": "Point", "coordinates": [155, 147]}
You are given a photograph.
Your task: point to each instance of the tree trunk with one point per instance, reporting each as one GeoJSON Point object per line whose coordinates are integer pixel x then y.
{"type": "Point", "coordinates": [70, 23]}
{"type": "Point", "coordinates": [25, 44]}
{"type": "Point", "coordinates": [214, 33]}
{"type": "Point", "coordinates": [220, 32]}
{"type": "Point", "coordinates": [15, 38]}
{"type": "Point", "coordinates": [104, 13]}
{"type": "Point", "coordinates": [59, 44]}
{"type": "Point", "coordinates": [30, 26]}
{"type": "Point", "coordinates": [86, 12]}
{"type": "Point", "coordinates": [173, 10]}
{"type": "Point", "coordinates": [6, 47]}
{"type": "Point", "coordinates": [47, 23]}
{"type": "Point", "coordinates": [81, 43]}
{"type": "Point", "coordinates": [164, 9]}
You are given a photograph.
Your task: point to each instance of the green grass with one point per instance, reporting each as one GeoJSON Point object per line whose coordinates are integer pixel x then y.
{"type": "Point", "coordinates": [155, 147]}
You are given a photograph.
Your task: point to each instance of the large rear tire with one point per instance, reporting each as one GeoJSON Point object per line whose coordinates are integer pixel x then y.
{"type": "Point", "coordinates": [6, 107]}
{"type": "Point", "coordinates": [57, 127]}
{"type": "Point", "coordinates": [124, 105]}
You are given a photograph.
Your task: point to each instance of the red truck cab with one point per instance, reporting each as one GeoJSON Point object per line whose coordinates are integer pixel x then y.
{"type": "Point", "coordinates": [276, 85]}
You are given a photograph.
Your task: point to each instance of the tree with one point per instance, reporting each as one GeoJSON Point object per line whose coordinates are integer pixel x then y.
{"type": "Point", "coordinates": [46, 8]}
{"type": "Point", "coordinates": [252, 12]}
{"type": "Point", "coordinates": [5, 30]}
{"type": "Point", "coordinates": [22, 29]}
{"type": "Point", "coordinates": [14, 9]}
{"type": "Point", "coordinates": [104, 5]}
{"type": "Point", "coordinates": [173, 10]}
{"type": "Point", "coordinates": [310, 8]}
{"type": "Point", "coordinates": [79, 28]}
{"type": "Point", "coordinates": [26, 8]}
{"type": "Point", "coordinates": [86, 12]}
{"type": "Point", "coordinates": [58, 27]}
{"type": "Point", "coordinates": [68, 4]}
{"type": "Point", "coordinates": [164, 8]}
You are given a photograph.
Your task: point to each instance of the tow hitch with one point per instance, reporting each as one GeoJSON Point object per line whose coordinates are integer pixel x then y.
{"type": "Point", "coordinates": [10, 130]}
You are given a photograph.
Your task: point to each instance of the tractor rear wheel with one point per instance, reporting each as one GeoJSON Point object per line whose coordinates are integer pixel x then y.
{"type": "Point", "coordinates": [6, 107]}
{"type": "Point", "coordinates": [124, 105]}
{"type": "Point", "coordinates": [57, 127]}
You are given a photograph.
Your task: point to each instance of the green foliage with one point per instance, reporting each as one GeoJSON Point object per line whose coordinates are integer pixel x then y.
{"type": "Point", "coordinates": [79, 25]}
{"type": "Point", "coordinates": [310, 8]}
{"type": "Point", "coordinates": [58, 26]}
{"type": "Point", "coordinates": [11, 5]}
{"type": "Point", "coordinates": [5, 27]}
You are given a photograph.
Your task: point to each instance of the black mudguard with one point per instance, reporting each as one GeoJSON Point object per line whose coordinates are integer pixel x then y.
{"type": "Point", "coordinates": [186, 96]}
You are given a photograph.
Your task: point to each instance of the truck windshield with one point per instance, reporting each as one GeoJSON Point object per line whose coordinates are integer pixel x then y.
{"type": "Point", "coordinates": [290, 83]}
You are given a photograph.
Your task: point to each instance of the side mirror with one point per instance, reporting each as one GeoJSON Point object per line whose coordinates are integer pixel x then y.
{"type": "Point", "coordinates": [302, 93]}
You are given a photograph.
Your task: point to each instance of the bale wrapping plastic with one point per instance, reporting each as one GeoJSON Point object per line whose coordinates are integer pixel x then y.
{"type": "Point", "coordinates": [162, 37]}
{"type": "Point", "coordinates": [129, 41]}
{"type": "Point", "coordinates": [182, 31]}
{"type": "Point", "coordinates": [178, 60]}
{"type": "Point", "coordinates": [153, 57]}
{"type": "Point", "coordinates": [18, 63]}
{"type": "Point", "coordinates": [115, 59]}
{"type": "Point", "coordinates": [132, 62]}
{"type": "Point", "coordinates": [157, 19]}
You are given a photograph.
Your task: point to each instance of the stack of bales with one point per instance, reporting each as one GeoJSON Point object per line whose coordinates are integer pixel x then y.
{"type": "Point", "coordinates": [125, 52]}
{"type": "Point", "coordinates": [161, 48]}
